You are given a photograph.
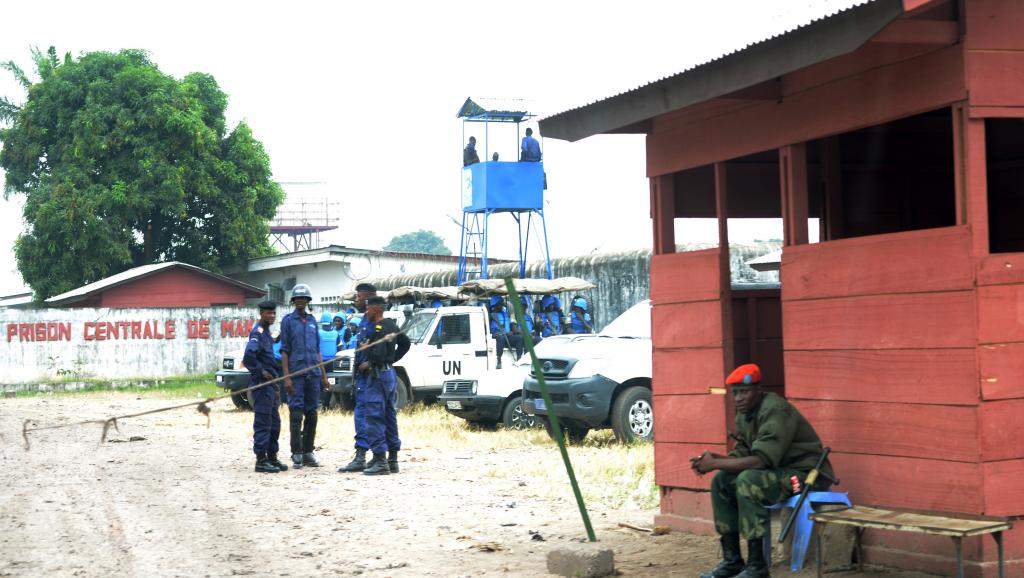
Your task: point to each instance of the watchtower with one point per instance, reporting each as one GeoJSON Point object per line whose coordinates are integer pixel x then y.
{"type": "Point", "coordinates": [493, 187]}
{"type": "Point", "coordinates": [302, 219]}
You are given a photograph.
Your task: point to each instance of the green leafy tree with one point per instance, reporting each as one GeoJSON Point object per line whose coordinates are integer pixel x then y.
{"type": "Point", "coordinates": [419, 242]}
{"type": "Point", "coordinates": [122, 165]}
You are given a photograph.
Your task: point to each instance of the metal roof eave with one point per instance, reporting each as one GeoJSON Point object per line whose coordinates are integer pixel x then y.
{"type": "Point", "coordinates": [805, 46]}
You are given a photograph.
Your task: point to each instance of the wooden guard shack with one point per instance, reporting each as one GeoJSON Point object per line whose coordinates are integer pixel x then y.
{"type": "Point", "coordinates": [900, 335]}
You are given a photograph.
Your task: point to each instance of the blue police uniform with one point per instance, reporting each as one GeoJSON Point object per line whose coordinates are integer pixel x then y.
{"type": "Point", "coordinates": [300, 340]}
{"type": "Point", "coordinates": [266, 422]}
{"type": "Point", "coordinates": [359, 414]}
{"type": "Point", "coordinates": [380, 396]}
{"type": "Point", "coordinates": [577, 323]}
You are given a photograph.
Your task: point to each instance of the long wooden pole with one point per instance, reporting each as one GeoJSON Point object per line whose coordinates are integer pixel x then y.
{"type": "Point", "coordinates": [556, 428]}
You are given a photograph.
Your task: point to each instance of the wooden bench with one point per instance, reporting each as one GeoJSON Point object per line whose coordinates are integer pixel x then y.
{"type": "Point", "coordinates": [955, 526]}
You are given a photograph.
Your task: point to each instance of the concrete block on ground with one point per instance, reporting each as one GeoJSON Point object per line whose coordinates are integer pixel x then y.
{"type": "Point", "coordinates": [581, 561]}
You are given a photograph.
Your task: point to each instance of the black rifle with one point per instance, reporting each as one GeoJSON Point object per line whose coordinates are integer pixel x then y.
{"type": "Point", "coordinates": [812, 476]}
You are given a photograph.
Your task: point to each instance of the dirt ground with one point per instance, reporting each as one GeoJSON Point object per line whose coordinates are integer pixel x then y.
{"type": "Point", "coordinates": [184, 501]}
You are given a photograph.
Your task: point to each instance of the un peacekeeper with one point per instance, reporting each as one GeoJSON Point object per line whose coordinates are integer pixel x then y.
{"type": "Point", "coordinates": [380, 396]}
{"type": "Point", "coordinates": [364, 291]}
{"type": "Point", "coordinates": [300, 349]}
{"type": "Point", "coordinates": [263, 366]}
{"type": "Point", "coordinates": [773, 443]}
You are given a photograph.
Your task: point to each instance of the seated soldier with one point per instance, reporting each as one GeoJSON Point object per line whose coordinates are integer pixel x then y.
{"type": "Point", "coordinates": [773, 443]}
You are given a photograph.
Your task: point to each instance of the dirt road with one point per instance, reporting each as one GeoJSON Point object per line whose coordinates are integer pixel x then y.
{"type": "Point", "coordinates": [185, 502]}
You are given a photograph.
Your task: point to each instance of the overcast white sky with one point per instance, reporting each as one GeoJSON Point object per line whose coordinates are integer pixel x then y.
{"type": "Point", "coordinates": [362, 96]}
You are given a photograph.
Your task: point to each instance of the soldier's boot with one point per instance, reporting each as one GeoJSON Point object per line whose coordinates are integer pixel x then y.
{"type": "Point", "coordinates": [272, 458]}
{"type": "Point", "coordinates": [297, 461]}
{"type": "Point", "coordinates": [357, 464]}
{"type": "Point", "coordinates": [498, 365]}
{"type": "Point", "coordinates": [378, 466]}
{"type": "Point", "coordinates": [756, 566]}
{"type": "Point", "coordinates": [308, 459]}
{"type": "Point", "coordinates": [264, 466]}
{"type": "Point", "coordinates": [393, 462]}
{"type": "Point", "coordinates": [732, 559]}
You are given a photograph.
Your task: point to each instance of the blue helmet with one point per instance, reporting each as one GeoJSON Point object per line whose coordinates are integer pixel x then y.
{"type": "Point", "coordinates": [495, 300]}
{"type": "Point", "coordinates": [326, 318]}
{"type": "Point", "coordinates": [558, 303]}
{"type": "Point", "coordinates": [436, 303]}
{"type": "Point", "coordinates": [338, 316]}
{"type": "Point", "coordinates": [548, 301]}
{"type": "Point", "coordinates": [580, 302]}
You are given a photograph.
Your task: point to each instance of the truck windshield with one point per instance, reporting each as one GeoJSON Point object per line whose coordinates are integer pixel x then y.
{"type": "Point", "coordinates": [417, 327]}
{"type": "Point", "coordinates": [634, 323]}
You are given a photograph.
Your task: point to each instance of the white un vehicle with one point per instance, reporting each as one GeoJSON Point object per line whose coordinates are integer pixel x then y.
{"type": "Point", "coordinates": [599, 381]}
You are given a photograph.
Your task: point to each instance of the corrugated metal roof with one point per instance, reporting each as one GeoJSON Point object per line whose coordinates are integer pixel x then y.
{"type": "Point", "coordinates": [138, 273]}
{"type": "Point", "coordinates": [814, 41]}
{"type": "Point", "coordinates": [498, 109]}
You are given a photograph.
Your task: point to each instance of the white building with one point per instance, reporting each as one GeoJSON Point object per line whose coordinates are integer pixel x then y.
{"type": "Point", "coordinates": [335, 270]}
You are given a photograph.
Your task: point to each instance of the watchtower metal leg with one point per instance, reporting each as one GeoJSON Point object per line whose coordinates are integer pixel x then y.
{"type": "Point", "coordinates": [998, 536]}
{"type": "Point", "coordinates": [959, 556]}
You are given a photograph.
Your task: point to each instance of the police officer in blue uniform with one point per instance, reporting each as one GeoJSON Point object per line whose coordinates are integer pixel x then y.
{"type": "Point", "coordinates": [300, 349]}
{"type": "Point", "coordinates": [380, 396]}
{"type": "Point", "coordinates": [263, 366]}
{"type": "Point", "coordinates": [550, 316]}
{"type": "Point", "coordinates": [364, 291]}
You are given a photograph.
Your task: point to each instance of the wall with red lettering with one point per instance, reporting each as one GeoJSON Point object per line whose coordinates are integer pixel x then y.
{"type": "Point", "coordinates": [173, 288]}
{"type": "Point", "coordinates": [42, 345]}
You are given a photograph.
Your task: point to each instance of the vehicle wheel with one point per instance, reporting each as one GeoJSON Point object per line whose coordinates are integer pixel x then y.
{"type": "Point", "coordinates": [573, 434]}
{"type": "Point", "coordinates": [240, 400]}
{"type": "Point", "coordinates": [514, 418]}
{"type": "Point", "coordinates": [402, 393]}
{"type": "Point", "coordinates": [633, 416]}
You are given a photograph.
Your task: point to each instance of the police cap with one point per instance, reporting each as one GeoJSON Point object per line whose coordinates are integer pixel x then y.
{"type": "Point", "coordinates": [265, 305]}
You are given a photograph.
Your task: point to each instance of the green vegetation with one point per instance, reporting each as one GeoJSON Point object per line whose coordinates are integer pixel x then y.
{"type": "Point", "coordinates": [421, 241]}
{"type": "Point", "coordinates": [122, 165]}
{"type": "Point", "coordinates": [193, 387]}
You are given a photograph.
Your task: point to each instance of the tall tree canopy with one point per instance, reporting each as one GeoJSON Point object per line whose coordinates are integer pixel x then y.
{"type": "Point", "coordinates": [419, 242]}
{"type": "Point", "coordinates": [123, 165]}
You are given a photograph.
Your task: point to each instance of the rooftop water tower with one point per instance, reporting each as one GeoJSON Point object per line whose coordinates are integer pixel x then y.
{"type": "Point", "coordinates": [499, 187]}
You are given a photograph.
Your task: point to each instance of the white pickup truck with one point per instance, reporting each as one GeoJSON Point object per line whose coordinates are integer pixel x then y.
{"type": "Point", "coordinates": [447, 343]}
{"type": "Point", "coordinates": [599, 381]}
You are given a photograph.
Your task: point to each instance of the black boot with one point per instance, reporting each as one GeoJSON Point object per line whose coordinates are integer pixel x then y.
{"type": "Point", "coordinates": [357, 464]}
{"type": "Point", "coordinates": [378, 466]}
{"type": "Point", "coordinates": [264, 466]}
{"type": "Point", "coordinates": [756, 565]}
{"type": "Point", "coordinates": [272, 458]}
{"type": "Point", "coordinates": [393, 462]}
{"type": "Point", "coordinates": [309, 460]}
{"type": "Point", "coordinates": [732, 559]}
{"type": "Point", "coordinates": [297, 461]}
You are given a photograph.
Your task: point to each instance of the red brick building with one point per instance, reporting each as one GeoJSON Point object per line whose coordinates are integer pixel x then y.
{"type": "Point", "coordinates": [900, 335]}
{"type": "Point", "coordinates": [160, 285]}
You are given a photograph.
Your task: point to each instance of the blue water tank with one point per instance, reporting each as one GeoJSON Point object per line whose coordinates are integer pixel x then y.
{"type": "Point", "coordinates": [497, 185]}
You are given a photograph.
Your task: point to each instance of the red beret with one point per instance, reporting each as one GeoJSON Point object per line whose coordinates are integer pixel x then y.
{"type": "Point", "coordinates": [748, 374]}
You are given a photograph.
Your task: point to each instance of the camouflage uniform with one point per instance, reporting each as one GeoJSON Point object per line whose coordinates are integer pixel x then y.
{"type": "Point", "coordinates": [787, 444]}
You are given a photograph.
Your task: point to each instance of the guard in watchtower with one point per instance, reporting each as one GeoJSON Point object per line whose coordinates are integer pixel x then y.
{"type": "Point", "coordinates": [263, 366]}
{"type": "Point", "coordinates": [380, 397]}
{"type": "Point", "coordinates": [300, 349]}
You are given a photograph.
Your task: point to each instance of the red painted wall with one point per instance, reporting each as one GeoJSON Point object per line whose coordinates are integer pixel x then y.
{"type": "Point", "coordinates": [173, 288]}
{"type": "Point", "coordinates": [904, 350]}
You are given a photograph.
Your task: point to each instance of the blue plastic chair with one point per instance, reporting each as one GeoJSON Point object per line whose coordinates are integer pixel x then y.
{"type": "Point", "coordinates": [803, 526]}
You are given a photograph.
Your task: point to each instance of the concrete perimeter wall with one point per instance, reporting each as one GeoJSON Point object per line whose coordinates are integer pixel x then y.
{"type": "Point", "coordinates": [72, 344]}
